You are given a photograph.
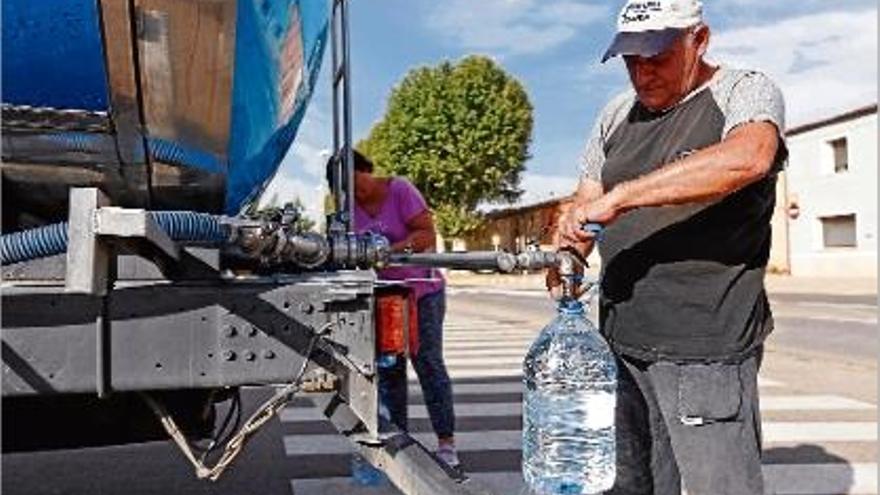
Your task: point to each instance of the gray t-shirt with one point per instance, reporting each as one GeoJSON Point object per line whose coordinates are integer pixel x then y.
{"type": "Point", "coordinates": [685, 282]}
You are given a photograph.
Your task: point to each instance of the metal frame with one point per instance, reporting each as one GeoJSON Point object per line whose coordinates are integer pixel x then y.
{"type": "Point", "coordinates": [95, 333]}
{"type": "Point", "coordinates": [406, 462]}
{"type": "Point", "coordinates": [177, 336]}
{"type": "Point", "coordinates": [94, 226]}
{"type": "Point", "coordinates": [118, 23]}
{"type": "Point", "coordinates": [343, 154]}
{"type": "Point", "coordinates": [155, 334]}
{"type": "Point", "coordinates": [28, 118]}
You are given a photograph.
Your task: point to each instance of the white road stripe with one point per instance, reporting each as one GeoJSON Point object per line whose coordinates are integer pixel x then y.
{"type": "Point", "coordinates": [537, 293]}
{"type": "Point", "coordinates": [506, 387]}
{"type": "Point", "coordinates": [478, 339]}
{"type": "Point", "coordinates": [834, 305]}
{"type": "Point", "coordinates": [768, 383]}
{"type": "Point", "coordinates": [469, 341]}
{"type": "Point", "coordinates": [490, 330]}
{"type": "Point", "coordinates": [464, 441]}
{"type": "Point", "coordinates": [477, 325]}
{"type": "Point", "coordinates": [461, 373]}
{"type": "Point", "coordinates": [479, 409]}
{"type": "Point", "coordinates": [818, 431]}
{"type": "Point", "coordinates": [482, 327]}
{"type": "Point", "coordinates": [493, 330]}
{"type": "Point", "coordinates": [458, 373]}
{"type": "Point", "coordinates": [478, 373]}
{"type": "Point", "coordinates": [511, 344]}
{"type": "Point", "coordinates": [779, 315]}
{"type": "Point", "coordinates": [779, 479]}
{"type": "Point", "coordinates": [516, 386]}
{"type": "Point", "coordinates": [489, 354]}
{"type": "Point", "coordinates": [467, 327]}
{"type": "Point", "coordinates": [462, 410]}
{"type": "Point", "coordinates": [465, 320]}
{"type": "Point", "coordinates": [773, 431]}
{"type": "Point", "coordinates": [479, 441]}
{"type": "Point", "coordinates": [461, 320]}
{"type": "Point", "coordinates": [812, 402]}
{"type": "Point", "coordinates": [501, 361]}
{"type": "Point", "coordinates": [508, 343]}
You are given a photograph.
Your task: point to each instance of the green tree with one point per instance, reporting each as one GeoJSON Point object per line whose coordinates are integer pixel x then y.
{"type": "Point", "coordinates": [461, 133]}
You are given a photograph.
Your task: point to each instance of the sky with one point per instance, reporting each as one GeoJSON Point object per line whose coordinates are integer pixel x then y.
{"type": "Point", "coordinates": [822, 53]}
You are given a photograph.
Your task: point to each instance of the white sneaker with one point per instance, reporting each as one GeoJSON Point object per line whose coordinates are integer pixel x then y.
{"type": "Point", "coordinates": [447, 454]}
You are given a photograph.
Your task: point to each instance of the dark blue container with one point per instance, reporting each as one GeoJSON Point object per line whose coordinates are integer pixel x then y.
{"type": "Point", "coordinates": [217, 94]}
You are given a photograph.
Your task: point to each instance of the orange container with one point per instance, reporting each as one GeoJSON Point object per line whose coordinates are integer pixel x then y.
{"type": "Point", "coordinates": [396, 321]}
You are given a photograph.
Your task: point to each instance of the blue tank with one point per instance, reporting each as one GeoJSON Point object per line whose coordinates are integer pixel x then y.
{"type": "Point", "coordinates": [165, 104]}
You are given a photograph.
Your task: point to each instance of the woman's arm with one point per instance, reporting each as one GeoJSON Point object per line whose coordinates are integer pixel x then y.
{"type": "Point", "coordinates": [422, 236]}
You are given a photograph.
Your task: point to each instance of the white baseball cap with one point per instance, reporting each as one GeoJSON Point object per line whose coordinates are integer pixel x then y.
{"type": "Point", "coordinates": [647, 27]}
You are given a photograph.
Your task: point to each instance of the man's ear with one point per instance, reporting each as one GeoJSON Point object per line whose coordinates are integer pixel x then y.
{"type": "Point", "coordinates": [701, 39]}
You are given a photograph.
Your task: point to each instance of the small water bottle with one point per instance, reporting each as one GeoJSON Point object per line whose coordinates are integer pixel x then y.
{"type": "Point", "coordinates": [570, 380]}
{"type": "Point", "coordinates": [362, 472]}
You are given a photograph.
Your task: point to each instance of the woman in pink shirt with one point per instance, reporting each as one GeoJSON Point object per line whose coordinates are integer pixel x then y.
{"type": "Point", "coordinates": [394, 208]}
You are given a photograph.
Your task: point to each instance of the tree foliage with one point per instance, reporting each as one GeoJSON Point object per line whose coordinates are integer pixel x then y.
{"type": "Point", "coordinates": [461, 133]}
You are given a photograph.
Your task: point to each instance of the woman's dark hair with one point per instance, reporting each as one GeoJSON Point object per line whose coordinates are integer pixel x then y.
{"type": "Point", "coordinates": [361, 164]}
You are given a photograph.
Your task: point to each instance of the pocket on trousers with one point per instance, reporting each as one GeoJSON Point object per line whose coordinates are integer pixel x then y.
{"type": "Point", "coordinates": [709, 393]}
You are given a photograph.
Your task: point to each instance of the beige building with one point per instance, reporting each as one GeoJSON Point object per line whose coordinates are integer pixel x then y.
{"type": "Point", "coordinates": [512, 229]}
{"type": "Point", "coordinates": [831, 196]}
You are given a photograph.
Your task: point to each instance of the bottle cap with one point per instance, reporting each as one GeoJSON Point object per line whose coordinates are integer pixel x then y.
{"type": "Point", "coordinates": [571, 306]}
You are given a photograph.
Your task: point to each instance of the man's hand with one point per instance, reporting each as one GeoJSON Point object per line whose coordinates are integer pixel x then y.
{"type": "Point", "coordinates": [570, 235]}
{"type": "Point", "coordinates": [572, 238]}
{"type": "Point", "coordinates": [604, 210]}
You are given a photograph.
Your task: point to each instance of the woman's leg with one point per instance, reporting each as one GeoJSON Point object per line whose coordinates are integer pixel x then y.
{"type": "Point", "coordinates": [393, 392]}
{"type": "Point", "coordinates": [430, 368]}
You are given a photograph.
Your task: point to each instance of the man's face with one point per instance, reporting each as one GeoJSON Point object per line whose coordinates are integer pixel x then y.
{"type": "Point", "coordinates": [663, 80]}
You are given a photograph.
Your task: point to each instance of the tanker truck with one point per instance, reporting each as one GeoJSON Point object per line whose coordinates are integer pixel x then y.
{"type": "Point", "coordinates": [136, 296]}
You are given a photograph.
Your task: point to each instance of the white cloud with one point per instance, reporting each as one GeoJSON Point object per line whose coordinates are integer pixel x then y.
{"type": "Point", "coordinates": [311, 158]}
{"type": "Point", "coordinates": [826, 62]}
{"type": "Point", "coordinates": [540, 187]}
{"type": "Point", "coordinates": [514, 27]}
{"type": "Point", "coordinates": [284, 188]}
{"type": "Point", "coordinates": [598, 81]}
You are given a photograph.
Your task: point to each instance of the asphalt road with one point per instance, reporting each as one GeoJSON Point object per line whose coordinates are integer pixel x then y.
{"type": "Point", "coordinates": [836, 326]}
{"type": "Point", "coordinates": [823, 346]}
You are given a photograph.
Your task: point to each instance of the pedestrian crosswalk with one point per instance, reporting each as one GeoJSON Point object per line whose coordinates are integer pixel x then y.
{"type": "Point", "coordinates": [813, 444]}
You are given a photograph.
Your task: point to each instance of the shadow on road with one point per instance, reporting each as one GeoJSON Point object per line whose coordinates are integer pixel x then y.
{"type": "Point", "coordinates": [817, 466]}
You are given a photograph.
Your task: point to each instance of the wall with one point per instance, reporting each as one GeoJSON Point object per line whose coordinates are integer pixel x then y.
{"type": "Point", "coordinates": [820, 192]}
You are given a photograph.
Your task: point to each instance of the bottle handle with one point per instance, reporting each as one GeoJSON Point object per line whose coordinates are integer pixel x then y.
{"type": "Point", "coordinates": [597, 229]}
{"type": "Point", "coordinates": [590, 290]}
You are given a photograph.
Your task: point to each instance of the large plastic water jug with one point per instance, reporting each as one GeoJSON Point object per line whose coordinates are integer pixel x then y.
{"type": "Point", "coordinates": [570, 380]}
